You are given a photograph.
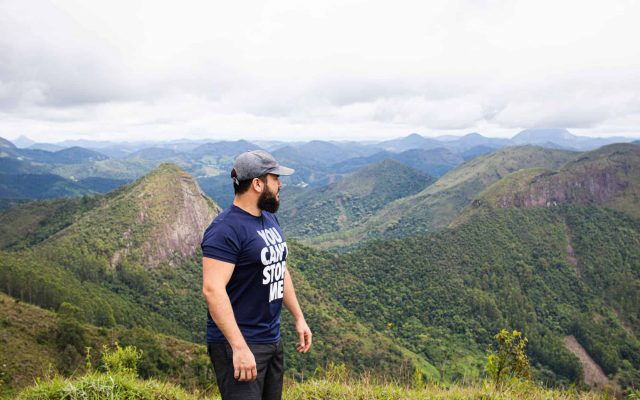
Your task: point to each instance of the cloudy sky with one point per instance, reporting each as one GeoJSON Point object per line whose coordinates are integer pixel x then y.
{"type": "Point", "coordinates": [346, 69]}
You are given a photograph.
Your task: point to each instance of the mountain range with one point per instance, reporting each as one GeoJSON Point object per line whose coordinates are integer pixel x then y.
{"type": "Point", "coordinates": [396, 269]}
{"type": "Point", "coordinates": [437, 205]}
{"type": "Point", "coordinates": [92, 166]}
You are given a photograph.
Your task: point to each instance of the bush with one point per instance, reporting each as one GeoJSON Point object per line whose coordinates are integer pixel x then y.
{"type": "Point", "coordinates": [121, 360]}
{"type": "Point", "coordinates": [509, 361]}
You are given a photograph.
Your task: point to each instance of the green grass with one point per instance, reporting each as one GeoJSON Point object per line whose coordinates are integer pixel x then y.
{"type": "Point", "coordinates": [365, 390]}
{"type": "Point", "coordinates": [99, 386]}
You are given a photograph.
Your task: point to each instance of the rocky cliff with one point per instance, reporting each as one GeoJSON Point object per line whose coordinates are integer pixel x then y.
{"type": "Point", "coordinates": [158, 217]}
{"type": "Point", "coordinates": [609, 176]}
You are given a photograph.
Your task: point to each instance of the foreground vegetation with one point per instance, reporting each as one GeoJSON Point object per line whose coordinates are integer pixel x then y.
{"type": "Point", "coordinates": [333, 383]}
{"type": "Point", "coordinates": [116, 377]}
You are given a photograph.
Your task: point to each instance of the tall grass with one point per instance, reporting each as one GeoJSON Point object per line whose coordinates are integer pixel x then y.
{"type": "Point", "coordinates": [119, 380]}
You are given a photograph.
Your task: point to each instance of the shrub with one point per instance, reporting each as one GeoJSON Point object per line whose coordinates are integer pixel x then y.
{"type": "Point", "coordinates": [509, 360]}
{"type": "Point", "coordinates": [121, 360]}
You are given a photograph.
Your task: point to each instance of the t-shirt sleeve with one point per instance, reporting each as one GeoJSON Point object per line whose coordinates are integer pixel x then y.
{"type": "Point", "coordinates": [221, 242]}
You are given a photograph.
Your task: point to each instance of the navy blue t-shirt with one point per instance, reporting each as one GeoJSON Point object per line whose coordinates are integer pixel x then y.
{"type": "Point", "coordinates": [256, 246]}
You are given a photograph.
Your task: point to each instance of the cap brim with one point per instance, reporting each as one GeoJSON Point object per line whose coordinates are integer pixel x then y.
{"type": "Point", "coordinates": [283, 171]}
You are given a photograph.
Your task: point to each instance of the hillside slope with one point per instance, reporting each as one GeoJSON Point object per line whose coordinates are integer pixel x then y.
{"type": "Point", "coordinates": [131, 258]}
{"type": "Point", "coordinates": [436, 206]}
{"type": "Point", "coordinates": [150, 221]}
{"type": "Point", "coordinates": [550, 272]}
{"type": "Point", "coordinates": [609, 176]}
{"type": "Point", "coordinates": [36, 341]}
{"type": "Point", "coordinates": [350, 200]}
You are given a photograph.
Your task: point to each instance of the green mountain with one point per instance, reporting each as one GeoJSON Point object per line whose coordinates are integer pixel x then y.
{"type": "Point", "coordinates": [37, 341]}
{"type": "Point", "coordinates": [412, 141]}
{"type": "Point", "coordinates": [609, 176]}
{"type": "Point", "coordinates": [553, 273]}
{"type": "Point", "coordinates": [26, 225]}
{"type": "Point", "coordinates": [553, 253]}
{"type": "Point", "coordinates": [436, 206]}
{"type": "Point", "coordinates": [158, 217]}
{"type": "Point", "coordinates": [359, 195]}
{"type": "Point", "coordinates": [131, 259]}
{"type": "Point", "coordinates": [434, 162]}
{"type": "Point", "coordinates": [113, 256]}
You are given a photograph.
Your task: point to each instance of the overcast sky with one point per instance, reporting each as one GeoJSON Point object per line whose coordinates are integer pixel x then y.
{"type": "Point", "coordinates": [138, 70]}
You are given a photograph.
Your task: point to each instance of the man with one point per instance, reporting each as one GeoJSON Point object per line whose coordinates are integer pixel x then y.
{"type": "Point", "coordinates": [245, 281]}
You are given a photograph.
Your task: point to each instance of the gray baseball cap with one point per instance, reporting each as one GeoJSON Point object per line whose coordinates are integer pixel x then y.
{"type": "Point", "coordinates": [252, 164]}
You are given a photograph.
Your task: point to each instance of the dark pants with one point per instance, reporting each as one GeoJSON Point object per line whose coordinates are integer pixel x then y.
{"type": "Point", "coordinates": [270, 366]}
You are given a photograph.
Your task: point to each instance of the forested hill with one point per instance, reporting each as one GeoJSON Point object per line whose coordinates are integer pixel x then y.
{"type": "Point", "coordinates": [144, 222]}
{"type": "Point", "coordinates": [438, 204]}
{"type": "Point", "coordinates": [551, 272]}
{"type": "Point", "coordinates": [609, 176]}
{"type": "Point", "coordinates": [161, 215]}
{"type": "Point", "coordinates": [350, 200]}
{"type": "Point", "coordinates": [569, 269]}
{"type": "Point", "coordinates": [131, 259]}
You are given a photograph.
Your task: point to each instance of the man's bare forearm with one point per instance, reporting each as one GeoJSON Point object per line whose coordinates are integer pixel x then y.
{"type": "Point", "coordinates": [290, 300]}
{"type": "Point", "coordinates": [222, 313]}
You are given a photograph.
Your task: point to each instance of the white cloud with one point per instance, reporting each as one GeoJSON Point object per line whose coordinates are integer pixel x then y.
{"type": "Point", "coordinates": [290, 69]}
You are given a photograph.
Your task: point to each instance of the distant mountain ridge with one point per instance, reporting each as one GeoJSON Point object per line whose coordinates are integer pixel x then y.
{"type": "Point", "coordinates": [317, 163]}
{"type": "Point", "coordinates": [436, 206]}
{"type": "Point", "coordinates": [608, 176]}
{"type": "Point", "coordinates": [350, 200]}
{"type": "Point", "coordinates": [435, 162]}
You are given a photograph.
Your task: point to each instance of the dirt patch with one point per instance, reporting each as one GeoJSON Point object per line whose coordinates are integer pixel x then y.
{"type": "Point", "coordinates": [342, 218]}
{"type": "Point", "coordinates": [571, 254]}
{"type": "Point", "coordinates": [597, 317]}
{"type": "Point", "coordinates": [593, 374]}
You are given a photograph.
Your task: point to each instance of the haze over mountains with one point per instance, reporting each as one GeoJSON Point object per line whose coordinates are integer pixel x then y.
{"type": "Point", "coordinates": [83, 167]}
{"type": "Point", "coordinates": [403, 254]}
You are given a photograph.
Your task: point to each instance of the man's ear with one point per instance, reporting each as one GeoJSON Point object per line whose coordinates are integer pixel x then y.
{"type": "Point", "coordinates": [258, 185]}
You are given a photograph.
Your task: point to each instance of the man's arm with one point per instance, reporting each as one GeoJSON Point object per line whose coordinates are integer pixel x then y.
{"type": "Point", "coordinates": [215, 276]}
{"type": "Point", "coordinates": [291, 302]}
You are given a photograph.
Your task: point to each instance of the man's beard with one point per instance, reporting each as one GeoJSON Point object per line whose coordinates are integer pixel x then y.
{"type": "Point", "coordinates": [268, 201]}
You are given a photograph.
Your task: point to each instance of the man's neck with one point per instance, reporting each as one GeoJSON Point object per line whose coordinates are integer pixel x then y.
{"type": "Point", "coordinates": [248, 205]}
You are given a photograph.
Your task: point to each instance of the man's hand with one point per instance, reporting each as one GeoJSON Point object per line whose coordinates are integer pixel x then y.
{"type": "Point", "coordinates": [244, 364]}
{"type": "Point", "coordinates": [304, 336]}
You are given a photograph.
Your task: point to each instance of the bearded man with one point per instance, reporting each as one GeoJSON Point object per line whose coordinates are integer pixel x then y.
{"type": "Point", "coordinates": [245, 282]}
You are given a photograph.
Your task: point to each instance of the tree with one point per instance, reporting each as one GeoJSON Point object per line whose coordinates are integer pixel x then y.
{"type": "Point", "coordinates": [509, 360]}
